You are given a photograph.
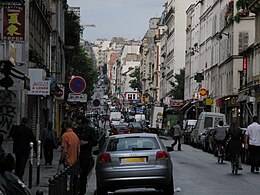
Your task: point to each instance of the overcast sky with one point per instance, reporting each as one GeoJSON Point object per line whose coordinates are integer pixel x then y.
{"type": "Point", "coordinates": [125, 18]}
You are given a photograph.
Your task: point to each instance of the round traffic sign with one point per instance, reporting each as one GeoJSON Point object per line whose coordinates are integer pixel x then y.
{"type": "Point", "coordinates": [203, 91]}
{"type": "Point", "coordinates": [96, 102]}
{"type": "Point", "coordinates": [77, 84]}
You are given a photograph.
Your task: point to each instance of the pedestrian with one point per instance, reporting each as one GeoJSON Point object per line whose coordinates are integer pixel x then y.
{"type": "Point", "coordinates": [252, 142]}
{"type": "Point", "coordinates": [235, 143]}
{"type": "Point", "coordinates": [176, 135]}
{"type": "Point", "coordinates": [87, 137]}
{"type": "Point", "coordinates": [22, 136]}
{"type": "Point", "coordinates": [49, 143]}
{"type": "Point", "coordinates": [69, 146]}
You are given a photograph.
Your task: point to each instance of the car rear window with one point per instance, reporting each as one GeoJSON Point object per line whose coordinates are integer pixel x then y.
{"type": "Point", "coordinates": [132, 143]}
{"type": "Point", "coordinates": [120, 127]}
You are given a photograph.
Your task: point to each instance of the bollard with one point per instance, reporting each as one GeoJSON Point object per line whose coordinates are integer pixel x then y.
{"type": "Point", "coordinates": [31, 165]}
{"type": "Point", "coordinates": [38, 161]}
{"type": "Point", "coordinates": [39, 192]}
{"type": "Point", "coordinates": [51, 186]}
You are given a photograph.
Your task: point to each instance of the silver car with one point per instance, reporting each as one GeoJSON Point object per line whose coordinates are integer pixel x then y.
{"type": "Point", "coordinates": [138, 160]}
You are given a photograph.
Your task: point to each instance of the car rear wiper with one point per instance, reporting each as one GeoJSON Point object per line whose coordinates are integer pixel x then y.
{"type": "Point", "coordinates": [141, 149]}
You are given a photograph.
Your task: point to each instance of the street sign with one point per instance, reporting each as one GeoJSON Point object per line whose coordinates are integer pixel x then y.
{"type": "Point", "coordinates": [77, 84]}
{"type": "Point", "coordinates": [72, 97]}
{"type": "Point", "coordinates": [203, 91]}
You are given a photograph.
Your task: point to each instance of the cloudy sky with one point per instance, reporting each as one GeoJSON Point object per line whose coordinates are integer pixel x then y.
{"type": "Point", "coordinates": [126, 18]}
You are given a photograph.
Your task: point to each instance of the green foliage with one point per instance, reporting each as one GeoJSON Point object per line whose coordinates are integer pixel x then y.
{"type": "Point", "coordinates": [72, 29]}
{"type": "Point", "coordinates": [177, 91]}
{"type": "Point", "coordinates": [136, 82]}
{"type": "Point", "coordinates": [77, 60]}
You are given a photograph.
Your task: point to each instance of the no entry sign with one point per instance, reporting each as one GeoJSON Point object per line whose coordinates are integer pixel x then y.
{"type": "Point", "coordinates": [77, 84]}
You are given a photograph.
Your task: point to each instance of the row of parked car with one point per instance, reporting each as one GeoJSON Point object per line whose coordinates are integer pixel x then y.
{"type": "Point", "coordinates": [200, 133]}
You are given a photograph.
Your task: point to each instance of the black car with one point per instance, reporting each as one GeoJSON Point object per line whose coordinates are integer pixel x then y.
{"type": "Point", "coordinates": [208, 142]}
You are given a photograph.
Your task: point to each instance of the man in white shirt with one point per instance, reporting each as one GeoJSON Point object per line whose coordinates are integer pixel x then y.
{"type": "Point", "coordinates": [252, 142]}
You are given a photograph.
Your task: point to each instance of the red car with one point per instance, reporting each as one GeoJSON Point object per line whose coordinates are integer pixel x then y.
{"type": "Point", "coordinates": [119, 129]}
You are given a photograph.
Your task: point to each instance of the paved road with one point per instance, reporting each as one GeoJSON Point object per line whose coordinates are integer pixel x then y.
{"type": "Point", "coordinates": [198, 173]}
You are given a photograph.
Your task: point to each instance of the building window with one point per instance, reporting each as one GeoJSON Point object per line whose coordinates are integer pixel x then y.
{"type": "Point", "coordinates": [129, 96]}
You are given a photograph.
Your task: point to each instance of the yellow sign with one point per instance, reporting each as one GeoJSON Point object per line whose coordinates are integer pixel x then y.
{"type": "Point", "coordinates": [208, 101]}
{"type": "Point", "coordinates": [203, 91]}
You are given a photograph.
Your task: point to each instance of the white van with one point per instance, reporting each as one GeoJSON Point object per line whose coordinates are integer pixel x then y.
{"type": "Point", "coordinates": [205, 120]}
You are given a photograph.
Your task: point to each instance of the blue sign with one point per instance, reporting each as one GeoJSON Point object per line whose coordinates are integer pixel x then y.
{"type": "Point", "coordinates": [77, 84]}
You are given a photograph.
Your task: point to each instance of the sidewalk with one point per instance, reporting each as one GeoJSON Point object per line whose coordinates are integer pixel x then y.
{"type": "Point", "coordinates": [46, 171]}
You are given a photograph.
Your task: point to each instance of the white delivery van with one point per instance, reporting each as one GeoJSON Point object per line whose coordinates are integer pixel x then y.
{"type": "Point", "coordinates": [139, 117]}
{"type": "Point", "coordinates": [205, 120]}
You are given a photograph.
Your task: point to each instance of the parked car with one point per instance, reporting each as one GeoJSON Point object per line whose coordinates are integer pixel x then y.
{"type": "Point", "coordinates": [208, 142]}
{"type": "Point", "coordinates": [138, 160]}
{"type": "Point", "coordinates": [136, 127]}
{"type": "Point", "coordinates": [205, 120]}
{"type": "Point", "coordinates": [119, 129]}
{"type": "Point", "coordinates": [188, 127]}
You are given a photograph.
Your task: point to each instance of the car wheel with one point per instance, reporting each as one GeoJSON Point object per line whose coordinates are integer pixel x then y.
{"type": "Point", "coordinates": [169, 189]}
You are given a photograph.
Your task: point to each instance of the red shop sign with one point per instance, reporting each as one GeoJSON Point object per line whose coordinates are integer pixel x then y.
{"type": "Point", "coordinates": [14, 23]}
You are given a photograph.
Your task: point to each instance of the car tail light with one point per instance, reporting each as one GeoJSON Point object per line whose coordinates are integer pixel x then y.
{"type": "Point", "coordinates": [161, 155]}
{"type": "Point", "coordinates": [105, 158]}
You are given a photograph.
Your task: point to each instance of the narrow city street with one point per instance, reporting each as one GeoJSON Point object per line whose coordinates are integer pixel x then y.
{"type": "Point", "coordinates": [198, 173]}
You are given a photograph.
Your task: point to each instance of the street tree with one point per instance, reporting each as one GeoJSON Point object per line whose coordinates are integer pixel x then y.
{"type": "Point", "coordinates": [135, 83]}
{"type": "Point", "coordinates": [177, 91]}
{"type": "Point", "coordinates": [78, 62]}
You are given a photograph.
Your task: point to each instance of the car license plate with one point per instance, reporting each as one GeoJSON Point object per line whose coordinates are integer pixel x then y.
{"type": "Point", "coordinates": [133, 160]}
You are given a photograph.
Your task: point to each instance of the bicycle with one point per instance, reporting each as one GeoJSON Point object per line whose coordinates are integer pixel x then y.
{"type": "Point", "coordinates": [234, 159]}
{"type": "Point", "coordinates": [221, 153]}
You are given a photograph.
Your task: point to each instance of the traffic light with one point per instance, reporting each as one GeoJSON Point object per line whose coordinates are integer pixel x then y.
{"type": "Point", "coordinates": [199, 77]}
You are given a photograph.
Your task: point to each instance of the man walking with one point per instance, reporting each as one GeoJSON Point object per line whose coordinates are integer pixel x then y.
{"type": "Point", "coordinates": [22, 136]}
{"type": "Point", "coordinates": [49, 143]}
{"type": "Point", "coordinates": [69, 145]}
{"type": "Point", "coordinates": [176, 135]}
{"type": "Point", "coordinates": [88, 139]}
{"type": "Point", "coordinates": [252, 142]}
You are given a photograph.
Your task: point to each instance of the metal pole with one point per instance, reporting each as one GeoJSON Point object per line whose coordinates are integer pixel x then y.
{"type": "Point", "coordinates": [31, 165]}
{"type": "Point", "coordinates": [38, 162]}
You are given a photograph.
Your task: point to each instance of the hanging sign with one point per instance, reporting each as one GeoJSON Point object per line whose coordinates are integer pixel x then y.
{"type": "Point", "coordinates": [77, 84]}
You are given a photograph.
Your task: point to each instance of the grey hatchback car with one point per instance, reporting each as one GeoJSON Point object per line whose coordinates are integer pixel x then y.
{"type": "Point", "coordinates": [138, 160]}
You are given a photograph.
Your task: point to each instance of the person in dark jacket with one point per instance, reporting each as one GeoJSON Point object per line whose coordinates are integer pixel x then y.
{"type": "Point", "coordinates": [22, 136]}
{"type": "Point", "coordinates": [49, 143]}
{"type": "Point", "coordinates": [235, 142]}
{"type": "Point", "coordinates": [88, 139]}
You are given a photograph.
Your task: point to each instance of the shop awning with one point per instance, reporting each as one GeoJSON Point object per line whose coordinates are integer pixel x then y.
{"type": "Point", "coordinates": [242, 97]}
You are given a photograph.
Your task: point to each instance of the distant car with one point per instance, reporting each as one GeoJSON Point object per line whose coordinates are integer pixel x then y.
{"type": "Point", "coordinates": [119, 129]}
{"type": "Point", "coordinates": [115, 121]}
{"type": "Point", "coordinates": [138, 160]}
{"type": "Point", "coordinates": [136, 127]}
